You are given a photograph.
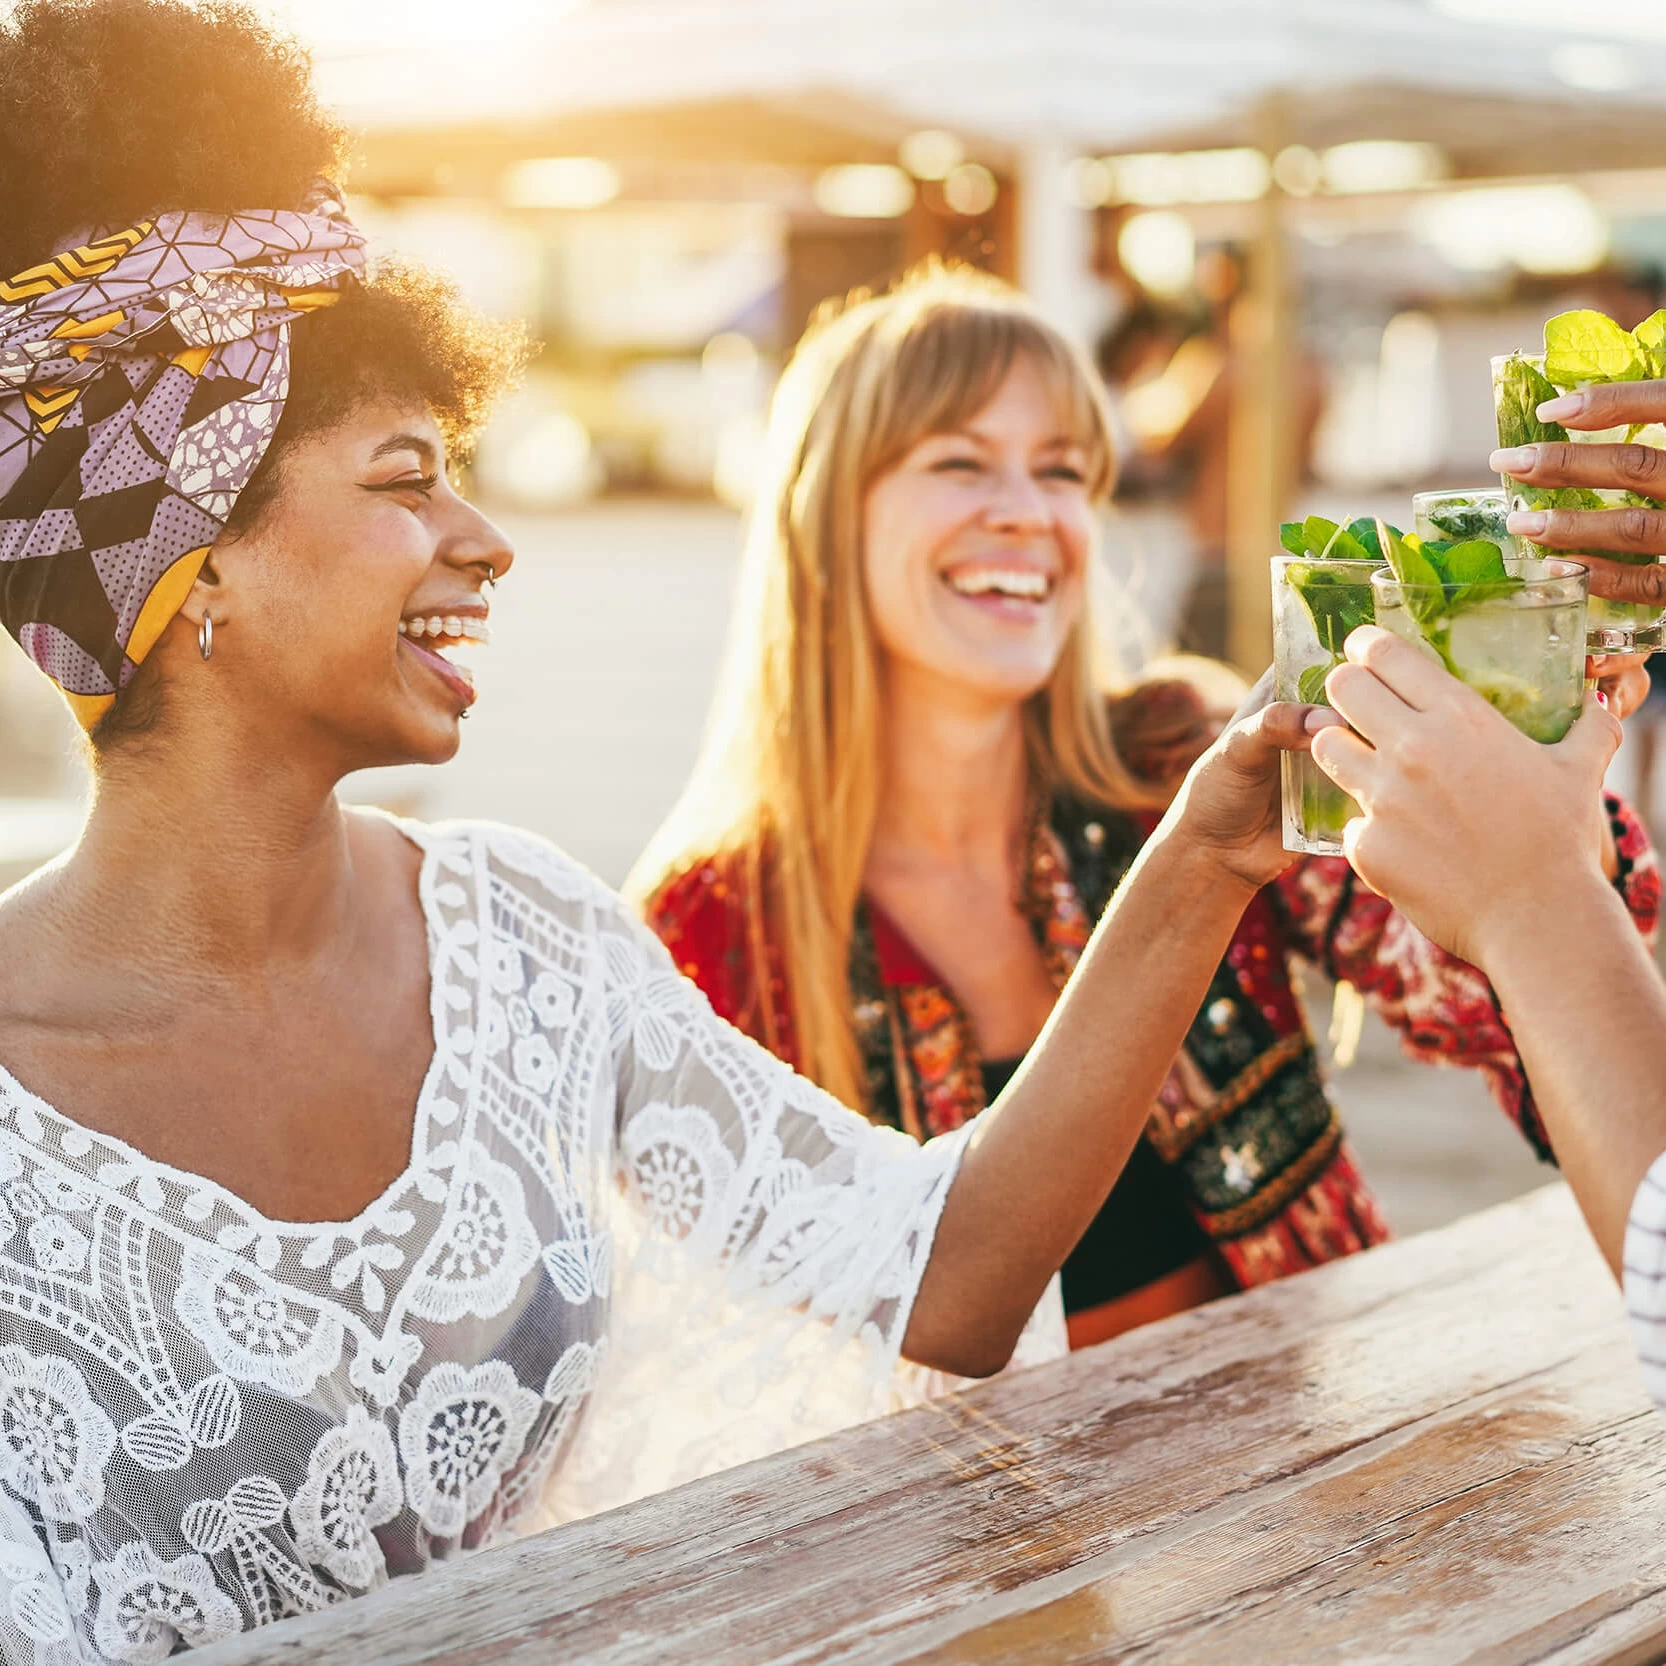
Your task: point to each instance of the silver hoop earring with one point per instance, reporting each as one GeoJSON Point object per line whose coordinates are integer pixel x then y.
{"type": "Point", "coordinates": [205, 637]}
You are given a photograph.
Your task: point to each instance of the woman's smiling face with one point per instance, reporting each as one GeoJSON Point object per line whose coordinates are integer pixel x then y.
{"type": "Point", "coordinates": [337, 611]}
{"type": "Point", "coordinates": [976, 545]}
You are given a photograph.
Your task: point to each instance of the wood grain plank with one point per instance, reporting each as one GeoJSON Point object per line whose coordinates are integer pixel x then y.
{"type": "Point", "coordinates": [1514, 1528]}
{"type": "Point", "coordinates": [1290, 1458]}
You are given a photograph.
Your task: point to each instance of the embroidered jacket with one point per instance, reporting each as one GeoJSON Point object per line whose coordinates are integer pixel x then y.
{"type": "Point", "coordinates": [1244, 1115]}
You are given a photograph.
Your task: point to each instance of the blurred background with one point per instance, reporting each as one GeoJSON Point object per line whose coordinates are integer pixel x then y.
{"type": "Point", "coordinates": [1291, 233]}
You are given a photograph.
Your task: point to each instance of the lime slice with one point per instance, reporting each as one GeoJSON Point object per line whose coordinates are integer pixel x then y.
{"type": "Point", "coordinates": [1515, 697]}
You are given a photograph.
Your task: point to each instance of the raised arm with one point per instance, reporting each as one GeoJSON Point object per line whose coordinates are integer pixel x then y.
{"type": "Point", "coordinates": [944, 1249]}
{"type": "Point", "coordinates": [1444, 1009]}
{"type": "Point", "coordinates": [1489, 842]}
{"type": "Point", "coordinates": [1042, 1159]}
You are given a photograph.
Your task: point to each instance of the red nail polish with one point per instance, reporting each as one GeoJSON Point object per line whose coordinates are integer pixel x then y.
{"type": "Point", "coordinates": [1602, 699]}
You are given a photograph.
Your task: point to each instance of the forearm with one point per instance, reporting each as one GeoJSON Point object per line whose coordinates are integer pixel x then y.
{"type": "Point", "coordinates": [1043, 1158]}
{"type": "Point", "coordinates": [1588, 1011]}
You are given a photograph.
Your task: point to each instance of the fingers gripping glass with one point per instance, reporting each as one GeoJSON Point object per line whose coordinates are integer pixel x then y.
{"type": "Point", "coordinates": [1317, 601]}
{"type": "Point", "coordinates": [1521, 382]}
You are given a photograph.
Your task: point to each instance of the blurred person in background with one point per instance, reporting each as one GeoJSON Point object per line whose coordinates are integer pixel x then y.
{"type": "Point", "coordinates": [916, 796]}
{"type": "Point", "coordinates": [1643, 728]}
{"type": "Point", "coordinates": [1174, 401]}
{"type": "Point", "coordinates": [326, 1138]}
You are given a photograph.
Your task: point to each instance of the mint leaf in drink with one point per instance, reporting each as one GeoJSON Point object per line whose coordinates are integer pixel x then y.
{"type": "Point", "coordinates": [1476, 561]}
{"type": "Point", "coordinates": [1463, 521]}
{"type": "Point", "coordinates": [1310, 537]}
{"type": "Point", "coordinates": [1345, 547]}
{"type": "Point", "coordinates": [1521, 391]}
{"type": "Point", "coordinates": [1412, 564]}
{"type": "Point", "coordinates": [1558, 497]}
{"type": "Point", "coordinates": [1475, 572]}
{"type": "Point", "coordinates": [1587, 346]}
{"type": "Point", "coordinates": [1336, 605]}
{"type": "Point", "coordinates": [1318, 532]}
{"type": "Point", "coordinates": [1322, 539]}
{"type": "Point", "coordinates": [1310, 686]}
{"type": "Point", "coordinates": [1364, 533]}
{"type": "Point", "coordinates": [1651, 337]}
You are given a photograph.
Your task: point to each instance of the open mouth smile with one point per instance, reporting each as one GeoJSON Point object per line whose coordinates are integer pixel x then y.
{"type": "Point", "coordinates": [434, 637]}
{"type": "Point", "coordinates": [1012, 592]}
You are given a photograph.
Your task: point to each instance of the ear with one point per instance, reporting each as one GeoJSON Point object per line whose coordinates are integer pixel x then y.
{"type": "Point", "coordinates": [210, 594]}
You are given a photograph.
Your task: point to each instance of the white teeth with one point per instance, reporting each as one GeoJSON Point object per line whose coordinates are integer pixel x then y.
{"type": "Point", "coordinates": [1017, 582]}
{"type": "Point", "coordinates": [451, 625]}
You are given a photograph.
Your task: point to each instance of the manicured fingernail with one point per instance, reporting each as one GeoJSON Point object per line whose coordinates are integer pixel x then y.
{"type": "Point", "coordinates": [1321, 717]}
{"type": "Point", "coordinates": [1602, 699]}
{"type": "Point", "coordinates": [1526, 523]}
{"type": "Point", "coordinates": [1563, 406]}
{"type": "Point", "coordinates": [1517, 459]}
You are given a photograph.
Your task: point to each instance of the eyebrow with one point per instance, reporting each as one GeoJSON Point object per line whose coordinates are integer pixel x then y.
{"type": "Point", "coordinates": [405, 442]}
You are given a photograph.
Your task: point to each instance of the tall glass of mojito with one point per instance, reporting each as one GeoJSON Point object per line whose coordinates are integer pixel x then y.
{"type": "Point", "coordinates": [1317, 601]}
{"type": "Point", "coordinates": [1456, 516]}
{"type": "Point", "coordinates": [1518, 639]}
{"type": "Point", "coordinates": [1582, 348]}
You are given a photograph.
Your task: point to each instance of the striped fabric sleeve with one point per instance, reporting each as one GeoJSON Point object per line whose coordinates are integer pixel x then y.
{"type": "Point", "coordinates": [1645, 1278]}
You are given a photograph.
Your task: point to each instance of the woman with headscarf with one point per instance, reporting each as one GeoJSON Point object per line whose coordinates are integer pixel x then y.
{"type": "Point", "coordinates": [323, 1136]}
{"type": "Point", "coordinates": [918, 794]}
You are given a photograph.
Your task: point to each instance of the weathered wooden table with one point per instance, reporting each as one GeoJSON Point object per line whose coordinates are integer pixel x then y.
{"type": "Point", "coordinates": [1436, 1452]}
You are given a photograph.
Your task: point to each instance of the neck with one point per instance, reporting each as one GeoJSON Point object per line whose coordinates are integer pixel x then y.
{"type": "Point", "coordinates": [955, 777]}
{"type": "Point", "coordinates": [225, 862]}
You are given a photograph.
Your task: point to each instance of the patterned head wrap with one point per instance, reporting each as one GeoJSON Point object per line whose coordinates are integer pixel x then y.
{"type": "Point", "coordinates": [141, 378]}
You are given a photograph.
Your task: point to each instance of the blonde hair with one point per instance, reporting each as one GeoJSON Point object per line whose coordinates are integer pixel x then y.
{"type": "Point", "coordinates": [787, 781]}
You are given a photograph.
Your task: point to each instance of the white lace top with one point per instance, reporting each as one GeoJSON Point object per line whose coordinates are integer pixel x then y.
{"type": "Point", "coordinates": [209, 1419]}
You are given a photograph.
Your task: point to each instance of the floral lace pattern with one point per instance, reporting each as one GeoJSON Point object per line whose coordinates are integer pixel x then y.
{"type": "Point", "coordinates": [210, 1419]}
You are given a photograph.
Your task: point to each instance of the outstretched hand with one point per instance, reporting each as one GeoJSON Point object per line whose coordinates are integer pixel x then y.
{"type": "Point", "coordinates": [1469, 826]}
{"type": "Point", "coordinates": [1641, 469]}
{"type": "Point", "coordinates": [1228, 805]}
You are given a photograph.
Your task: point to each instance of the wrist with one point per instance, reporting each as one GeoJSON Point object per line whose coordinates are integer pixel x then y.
{"type": "Point", "coordinates": [1202, 870]}
{"type": "Point", "coordinates": [1530, 935]}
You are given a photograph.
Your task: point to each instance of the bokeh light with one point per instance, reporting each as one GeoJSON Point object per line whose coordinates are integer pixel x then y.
{"type": "Point", "coordinates": [1540, 228]}
{"type": "Point", "coordinates": [562, 182]}
{"type": "Point", "coordinates": [970, 189]}
{"type": "Point", "coordinates": [932, 153]}
{"type": "Point", "coordinates": [864, 191]}
{"type": "Point", "coordinates": [1159, 250]}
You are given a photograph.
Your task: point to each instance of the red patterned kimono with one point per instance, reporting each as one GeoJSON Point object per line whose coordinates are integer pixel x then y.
{"type": "Point", "coordinates": [1243, 1119]}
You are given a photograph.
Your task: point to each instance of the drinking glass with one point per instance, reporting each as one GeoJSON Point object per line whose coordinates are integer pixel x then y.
{"type": "Point", "coordinates": [1519, 386]}
{"type": "Point", "coordinates": [1316, 602]}
{"type": "Point", "coordinates": [1457, 516]}
{"type": "Point", "coordinates": [1521, 647]}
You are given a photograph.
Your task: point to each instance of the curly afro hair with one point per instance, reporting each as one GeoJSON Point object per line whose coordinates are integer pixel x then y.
{"type": "Point", "coordinates": [118, 110]}
{"type": "Point", "coordinates": [121, 110]}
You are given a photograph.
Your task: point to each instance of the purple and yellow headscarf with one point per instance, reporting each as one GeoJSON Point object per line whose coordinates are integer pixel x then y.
{"type": "Point", "coordinates": [141, 378]}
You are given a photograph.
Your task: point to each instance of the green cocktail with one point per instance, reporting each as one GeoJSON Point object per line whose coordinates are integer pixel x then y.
{"type": "Point", "coordinates": [1318, 598]}
{"type": "Point", "coordinates": [1516, 637]}
{"type": "Point", "coordinates": [1582, 348]}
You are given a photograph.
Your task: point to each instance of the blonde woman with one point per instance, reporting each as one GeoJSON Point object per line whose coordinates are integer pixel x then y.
{"type": "Point", "coordinates": [915, 800]}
